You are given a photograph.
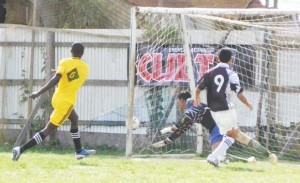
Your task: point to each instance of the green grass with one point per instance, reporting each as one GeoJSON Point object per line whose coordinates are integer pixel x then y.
{"type": "Point", "coordinates": [61, 166]}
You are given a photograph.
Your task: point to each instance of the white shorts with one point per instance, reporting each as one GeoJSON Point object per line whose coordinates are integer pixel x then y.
{"type": "Point", "coordinates": [225, 120]}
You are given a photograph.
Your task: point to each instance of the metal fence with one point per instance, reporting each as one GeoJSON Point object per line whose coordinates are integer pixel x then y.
{"type": "Point", "coordinates": [102, 102]}
{"type": "Point", "coordinates": [25, 63]}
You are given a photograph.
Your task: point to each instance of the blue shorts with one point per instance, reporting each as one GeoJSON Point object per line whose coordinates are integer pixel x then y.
{"type": "Point", "coordinates": [215, 135]}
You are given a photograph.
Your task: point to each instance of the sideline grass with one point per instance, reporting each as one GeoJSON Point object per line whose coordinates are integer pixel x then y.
{"type": "Point", "coordinates": [36, 166]}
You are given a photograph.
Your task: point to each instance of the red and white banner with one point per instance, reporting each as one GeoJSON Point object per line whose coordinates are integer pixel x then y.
{"type": "Point", "coordinates": [168, 64]}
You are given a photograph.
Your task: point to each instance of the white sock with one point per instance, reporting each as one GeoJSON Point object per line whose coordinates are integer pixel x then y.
{"type": "Point", "coordinates": [223, 146]}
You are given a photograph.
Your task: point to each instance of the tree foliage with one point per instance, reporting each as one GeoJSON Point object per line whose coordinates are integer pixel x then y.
{"type": "Point", "coordinates": [78, 13]}
{"type": "Point", "coordinates": [17, 11]}
{"type": "Point", "coordinates": [60, 13]}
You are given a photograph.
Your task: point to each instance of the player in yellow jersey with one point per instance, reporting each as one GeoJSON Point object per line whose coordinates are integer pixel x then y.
{"type": "Point", "coordinates": [70, 76]}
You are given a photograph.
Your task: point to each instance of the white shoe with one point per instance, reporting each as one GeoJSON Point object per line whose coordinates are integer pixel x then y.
{"type": "Point", "coordinates": [166, 130]}
{"type": "Point", "coordinates": [16, 153]}
{"type": "Point", "coordinates": [224, 159]}
{"type": "Point", "coordinates": [273, 158]}
{"type": "Point", "coordinates": [213, 160]}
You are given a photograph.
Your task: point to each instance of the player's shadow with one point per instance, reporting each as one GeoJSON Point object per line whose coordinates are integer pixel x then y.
{"type": "Point", "coordinates": [243, 169]}
{"type": "Point", "coordinates": [87, 164]}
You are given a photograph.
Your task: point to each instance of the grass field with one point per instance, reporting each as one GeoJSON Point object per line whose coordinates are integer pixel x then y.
{"type": "Point", "coordinates": [61, 166]}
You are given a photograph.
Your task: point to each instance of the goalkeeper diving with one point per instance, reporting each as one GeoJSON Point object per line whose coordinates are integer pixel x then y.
{"type": "Point", "coordinates": [201, 114]}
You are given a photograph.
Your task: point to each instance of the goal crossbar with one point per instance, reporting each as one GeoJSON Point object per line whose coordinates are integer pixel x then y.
{"type": "Point", "coordinates": [214, 11]}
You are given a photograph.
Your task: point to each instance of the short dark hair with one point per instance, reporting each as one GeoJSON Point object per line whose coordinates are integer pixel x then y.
{"type": "Point", "coordinates": [225, 55]}
{"type": "Point", "coordinates": [77, 49]}
{"type": "Point", "coordinates": [184, 95]}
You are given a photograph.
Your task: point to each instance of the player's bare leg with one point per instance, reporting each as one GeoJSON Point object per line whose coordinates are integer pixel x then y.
{"type": "Point", "coordinates": [36, 139]}
{"type": "Point", "coordinates": [227, 158]}
{"type": "Point", "coordinates": [75, 134]}
{"type": "Point", "coordinates": [245, 139]}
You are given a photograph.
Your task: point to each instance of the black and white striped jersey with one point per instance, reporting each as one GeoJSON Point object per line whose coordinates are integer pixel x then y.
{"type": "Point", "coordinates": [220, 83]}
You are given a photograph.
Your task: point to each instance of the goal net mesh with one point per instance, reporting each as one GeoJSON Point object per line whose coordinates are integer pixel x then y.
{"type": "Point", "coordinates": [266, 58]}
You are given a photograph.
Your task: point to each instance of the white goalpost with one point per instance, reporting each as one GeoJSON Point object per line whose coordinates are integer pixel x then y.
{"type": "Point", "coordinates": [172, 48]}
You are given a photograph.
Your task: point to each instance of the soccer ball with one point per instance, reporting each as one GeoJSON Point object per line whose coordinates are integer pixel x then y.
{"type": "Point", "coordinates": [251, 159]}
{"type": "Point", "coordinates": [135, 122]}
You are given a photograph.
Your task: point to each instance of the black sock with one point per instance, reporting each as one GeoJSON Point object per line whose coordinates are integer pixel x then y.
{"type": "Point", "coordinates": [76, 139]}
{"type": "Point", "coordinates": [36, 139]}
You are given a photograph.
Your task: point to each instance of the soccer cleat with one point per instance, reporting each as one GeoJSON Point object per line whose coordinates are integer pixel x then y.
{"type": "Point", "coordinates": [225, 159]}
{"type": "Point", "coordinates": [16, 153]}
{"type": "Point", "coordinates": [273, 158]}
{"type": "Point", "coordinates": [84, 153]}
{"type": "Point", "coordinates": [213, 161]}
{"type": "Point", "coordinates": [166, 130]}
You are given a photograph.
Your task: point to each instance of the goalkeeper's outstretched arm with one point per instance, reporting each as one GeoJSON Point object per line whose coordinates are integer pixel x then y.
{"type": "Point", "coordinates": [184, 124]}
{"type": "Point", "coordinates": [177, 130]}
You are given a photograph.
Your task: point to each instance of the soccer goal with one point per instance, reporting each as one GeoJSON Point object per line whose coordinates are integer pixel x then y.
{"type": "Point", "coordinates": [172, 48]}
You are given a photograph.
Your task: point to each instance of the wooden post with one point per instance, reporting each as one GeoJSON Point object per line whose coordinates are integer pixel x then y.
{"type": "Point", "coordinates": [4, 91]}
{"type": "Point", "coordinates": [275, 3]}
{"type": "Point", "coordinates": [34, 13]}
{"type": "Point", "coordinates": [271, 91]}
{"type": "Point", "coordinates": [30, 83]}
{"type": "Point", "coordinates": [30, 79]}
{"type": "Point", "coordinates": [131, 82]}
{"type": "Point", "coordinates": [267, 4]}
{"type": "Point", "coordinates": [50, 60]}
{"type": "Point", "coordinates": [49, 64]}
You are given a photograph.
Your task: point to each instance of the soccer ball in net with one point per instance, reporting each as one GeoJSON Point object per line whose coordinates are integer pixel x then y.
{"type": "Point", "coordinates": [135, 122]}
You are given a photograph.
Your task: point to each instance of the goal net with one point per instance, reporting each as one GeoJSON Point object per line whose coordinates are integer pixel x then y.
{"type": "Point", "coordinates": [173, 48]}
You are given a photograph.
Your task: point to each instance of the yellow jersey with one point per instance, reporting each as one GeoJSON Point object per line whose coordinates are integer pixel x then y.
{"type": "Point", "coordinates": [74, 73]}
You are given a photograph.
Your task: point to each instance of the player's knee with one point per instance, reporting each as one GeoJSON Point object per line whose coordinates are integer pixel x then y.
{"type": "Point", "coordinates": [232, 133]}
{"type": "Point", "coordinates": [48, 129]}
